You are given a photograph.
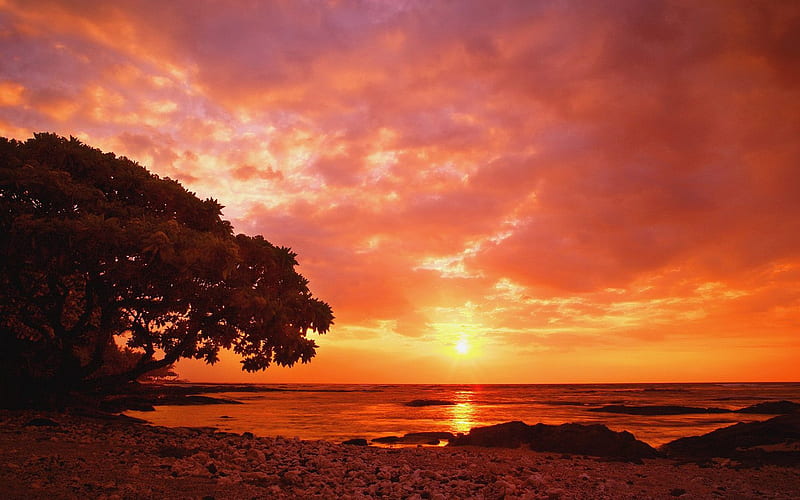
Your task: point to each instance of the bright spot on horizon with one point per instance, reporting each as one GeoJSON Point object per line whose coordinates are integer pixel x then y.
{"type": "Point", "coordinates": [462, 346]}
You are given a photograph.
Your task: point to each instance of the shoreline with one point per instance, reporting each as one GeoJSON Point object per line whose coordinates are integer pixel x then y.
{"type": "Point", "coordinates": [655, 420]}
{"type": "Point", "coordinates": [68, 456]}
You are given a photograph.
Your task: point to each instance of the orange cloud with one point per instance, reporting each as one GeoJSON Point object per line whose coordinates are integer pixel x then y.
{"type": "Point", "coordinates": [608, 185]}
{"type": "Point", "coordinates": [10, 93]}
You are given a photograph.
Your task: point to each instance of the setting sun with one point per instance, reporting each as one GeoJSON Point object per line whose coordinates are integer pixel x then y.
{"type": "Point", "coordinates": [462, 347]}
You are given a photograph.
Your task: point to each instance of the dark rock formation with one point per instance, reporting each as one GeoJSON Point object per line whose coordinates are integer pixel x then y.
{"type": "Point", "coordinates": [356, 442]}
{"type": "Point", "coordinates": [596, 440]}
{"type": "Point", "coordinates": [169, 451]}
{"type": "Point", "coordinates": [429, 402]}
{"type": "Point", "coordinates": [429, 435]}
{"type": "Point", "coordinates": [772, 408]}
{"type": "Point", "coordinates": [657, 410]}
{"type": "Point", "coordinates": [387, 440]}
{"type": "Point", "coordinates": [773, 440]}
{"type": "Point", "coordinates": [431, 438]}
{"type": "Point", "coordinates": [767, 408]}
{"type": "Point", "coordinates": [507, 435]}
{"type": "Point", "coordinates": [41, 422]}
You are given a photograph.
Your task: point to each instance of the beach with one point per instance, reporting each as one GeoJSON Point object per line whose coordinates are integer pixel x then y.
{"type": "Point", "coordinates": [57, 455]}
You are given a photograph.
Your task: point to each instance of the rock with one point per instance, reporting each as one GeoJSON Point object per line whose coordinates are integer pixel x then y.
{"type": "Point", "coordinates": [677, 492]}
{"type": "Point", "coordinates": [772, 408]}
{"type": "Point", "coordinates": [292, 477]}
{"type": "Point", "coordinates": [188, 467]}
{"type": "Point", "coordinates": [536, 480]}
{"type": "Point", "coordinates": [429, 435]}
{"type": "Point", "coordinates": [229, 480]}
{"type": "Point", "coordinates": [743, 441]}
{"type": "Point", "coordinates": [387, 440]}
{"type": "Point", "coordinates": [429, 402]}
{"type": "Point", "coordinates": [507, 435]}
{"type": "Point", "coordinates": [430, 438]}
{"type": "Point", "coordinates": [356, 442]}
{"type": "Point", "coordinates": [41, 422]}
{"type": "Point", "coordinates": [596, 440]}
{"type": "Point", "coordinates": [174, 452]}
{"type": "Point", "coordinates": [657, 410]}
{"type": "Point", "coordinates": [256, 455]}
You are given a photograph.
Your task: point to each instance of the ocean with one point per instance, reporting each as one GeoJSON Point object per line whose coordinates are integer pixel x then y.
{"type": "Point", "coordinates": [340, 412]}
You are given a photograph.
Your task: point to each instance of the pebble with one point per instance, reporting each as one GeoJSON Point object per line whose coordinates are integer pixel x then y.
{"type": "Point", "coordinates": [292, 477]}
{"type": "Point", "coordinates": [251, 466]}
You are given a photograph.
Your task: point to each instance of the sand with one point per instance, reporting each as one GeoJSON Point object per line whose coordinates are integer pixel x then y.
{"type": "Point", "coordinates": [83, 457]}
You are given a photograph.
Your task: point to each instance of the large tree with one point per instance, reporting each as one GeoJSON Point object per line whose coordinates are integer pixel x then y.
{"type": "Point", "coordinates": [95, 252]}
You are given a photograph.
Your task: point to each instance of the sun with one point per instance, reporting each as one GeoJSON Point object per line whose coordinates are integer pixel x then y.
{"type": "Point", "coordinates": [462, 346]}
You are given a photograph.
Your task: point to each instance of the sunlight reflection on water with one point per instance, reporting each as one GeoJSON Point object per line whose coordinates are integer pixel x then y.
{"type": "Point", "coordinates": [463, 411]}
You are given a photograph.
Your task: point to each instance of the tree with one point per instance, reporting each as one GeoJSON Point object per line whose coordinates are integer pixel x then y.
{"type": "Point", "coordinates": [96, 250]}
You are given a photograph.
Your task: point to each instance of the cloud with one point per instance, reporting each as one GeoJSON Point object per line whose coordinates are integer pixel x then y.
{"type": "Point", "coordinates": [248, 172]}
{"type": "Point", "coordinates": [622, 167]}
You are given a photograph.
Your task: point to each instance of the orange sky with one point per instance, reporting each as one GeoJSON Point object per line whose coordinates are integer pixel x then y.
{"type": "Point", "coordinates": [574, 191]}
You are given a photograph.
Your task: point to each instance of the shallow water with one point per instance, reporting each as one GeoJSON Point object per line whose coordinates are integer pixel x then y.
{"type": "Point", "coordinates": [340, 412]}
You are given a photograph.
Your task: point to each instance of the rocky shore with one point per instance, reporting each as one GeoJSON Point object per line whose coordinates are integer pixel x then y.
{"type": "Point", "coordinates": [48, 455]}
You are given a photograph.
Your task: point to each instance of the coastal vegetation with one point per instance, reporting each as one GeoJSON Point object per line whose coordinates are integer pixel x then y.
{"type": "Point", "coordinates": [108, 272]}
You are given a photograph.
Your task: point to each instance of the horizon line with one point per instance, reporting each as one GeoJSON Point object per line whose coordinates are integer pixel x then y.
{"type": "Point", "coordinates": [480, 383]}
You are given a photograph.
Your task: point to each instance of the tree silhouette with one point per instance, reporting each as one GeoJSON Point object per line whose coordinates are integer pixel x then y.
{"type": "Point", "coordinates": [95, 248]}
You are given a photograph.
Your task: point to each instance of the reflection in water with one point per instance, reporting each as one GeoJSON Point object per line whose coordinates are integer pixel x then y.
{"type": "Point", "coordinates": [463, 411]}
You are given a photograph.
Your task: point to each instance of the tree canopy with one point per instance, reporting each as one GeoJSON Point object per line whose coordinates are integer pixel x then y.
{"type": "Point", "coordinates": [95, 252]}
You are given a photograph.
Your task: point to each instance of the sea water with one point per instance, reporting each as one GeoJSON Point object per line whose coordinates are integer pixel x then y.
{"type": "Point", "coordinates": [341, 412]}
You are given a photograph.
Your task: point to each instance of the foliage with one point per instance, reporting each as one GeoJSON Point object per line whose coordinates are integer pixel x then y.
{"type": "Point", "coordinates": [94, 247]}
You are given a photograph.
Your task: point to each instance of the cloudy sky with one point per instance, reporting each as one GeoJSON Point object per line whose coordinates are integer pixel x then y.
{"type": "Point", "coordinates": [484, 191]}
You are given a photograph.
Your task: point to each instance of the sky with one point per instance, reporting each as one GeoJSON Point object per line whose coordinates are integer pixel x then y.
{"type": "Point", "coordinates": [484, 191]}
